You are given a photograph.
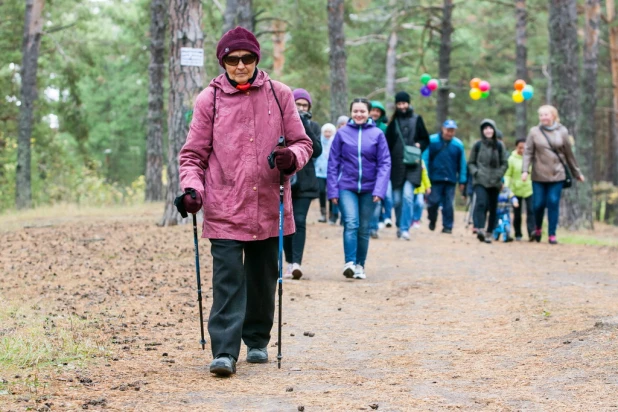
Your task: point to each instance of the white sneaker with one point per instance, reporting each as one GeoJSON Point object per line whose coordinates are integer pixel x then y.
{"type": "Point", "coordinates": [388, 223]}
{"type": "Point", "coordinates": [288, 272]}
{"type": "Point", "coordinates": [297, 273]}
{"type": "Point", "coordinates": [359, 272]}
{"type": "Point", "coordinates": [381, 225]}
{"type": "Point", "coordinates": [348, 270]}
{"type": "Point", "coordinates": [405, 235]}
{"type": "Point", "coordinates": [416, 225]}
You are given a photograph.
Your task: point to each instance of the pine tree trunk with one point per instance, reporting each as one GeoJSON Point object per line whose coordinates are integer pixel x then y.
{"type": "Point", "coordinates": [229, 16]}
{"type": "Point", "coordinates": [444, 62]}
{"type": "Point", "coordinates": [564, 67]}
{"type": "Point", "coordinates": [185, 21]}
{"type": "Point", "coordinates": [245, 14]}
{"type": "Point", "coordinates": [587, 127]}
{"type": "Point", "coordinates": [156, 72]}
{"type": "Point", "coordinates": [391, 71]}
{"type": "Point", "coordinates": [337, 59]}
{"type": "Point", "coordinates": [278, 38]}
{"type": "Point", "coordinates": [521, 57]}
{"type": "Point", "coordinates": [33, 25]}
{"type": "Point", "coordinates": [613, 48]}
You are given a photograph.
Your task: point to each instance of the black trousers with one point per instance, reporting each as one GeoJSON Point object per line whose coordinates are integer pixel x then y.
{"type": "Point", "coordinates": [517, 212]}
{"type": "Point", "coordinates": [244, 281]}
{"type": "Point", "coordinates": [294, 245]}
{"type": "Point", "coordinates": [333, 211]}
{"type": "Point", "coordinates": [486, 201]}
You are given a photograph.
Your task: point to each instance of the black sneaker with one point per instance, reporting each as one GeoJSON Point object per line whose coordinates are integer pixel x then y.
{"type": "Point", "coordinates": [223, 365]}
{"type": "Point", "coordinates": [447, 231]}
{"type": "Point", "coordinates": [432, 226]}
{"type": "Point", "coordinates": [480, 235]}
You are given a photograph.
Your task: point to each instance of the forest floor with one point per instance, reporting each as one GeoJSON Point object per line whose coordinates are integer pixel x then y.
{"type": "Point", "coordinates": [99, 312]}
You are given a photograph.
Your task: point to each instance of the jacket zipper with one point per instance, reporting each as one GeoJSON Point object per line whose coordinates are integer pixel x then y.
{"type": "Point", "coordinates": [360, 159]}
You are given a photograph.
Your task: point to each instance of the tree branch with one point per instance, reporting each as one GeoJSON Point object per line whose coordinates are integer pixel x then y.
{"type": "Point", "coordinates": [371, 38]}
{"type": "Point", "coordinates": [59, 28]}
{"type": "Point", "coordinates": [219, 6]}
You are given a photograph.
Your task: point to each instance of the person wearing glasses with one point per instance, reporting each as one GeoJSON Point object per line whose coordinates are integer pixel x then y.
{"type": "Point", "coordinates": [305, 188]}
{"type": "Point", "coordinates": [359, 167]}
{"type": "Point", "coordinates": [237, 122]}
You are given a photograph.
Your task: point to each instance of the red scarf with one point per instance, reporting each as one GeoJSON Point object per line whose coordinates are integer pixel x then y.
{"type": "Point", "coordinates": [243, 87]}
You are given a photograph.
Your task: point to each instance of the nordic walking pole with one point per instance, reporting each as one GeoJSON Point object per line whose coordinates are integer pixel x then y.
{"type": "Point", "coordinates": [279, 356]}
{"type": "Point", "coordinates": [178, 202]}
{"type": "Point", "coordinates": [199, 281]}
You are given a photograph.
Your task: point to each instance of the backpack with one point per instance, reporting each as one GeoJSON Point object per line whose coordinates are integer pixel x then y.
{"type": "Point", "coordinates": [477, 149]}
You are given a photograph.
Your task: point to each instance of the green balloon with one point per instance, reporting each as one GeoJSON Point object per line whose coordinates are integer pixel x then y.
{"type": "Point", "coordinates": [425, 78]}
{"type": "Point", "coordinates": [485, 95]}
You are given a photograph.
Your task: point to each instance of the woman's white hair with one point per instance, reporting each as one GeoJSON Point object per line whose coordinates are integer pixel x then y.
{"type": "Point", "coordinates": [329, 126]}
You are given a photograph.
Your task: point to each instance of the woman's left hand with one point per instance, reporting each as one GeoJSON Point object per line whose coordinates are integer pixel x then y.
{"type": "Point", "coordinates": [581, 178]}
{"type": "Point", "coordinates": [377, 199]}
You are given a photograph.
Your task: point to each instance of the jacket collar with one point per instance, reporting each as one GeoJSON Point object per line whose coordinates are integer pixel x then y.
{"type": "Point", "coordinates": [222, 83]}
{"type": "Point", "coordinates": [370, 123]}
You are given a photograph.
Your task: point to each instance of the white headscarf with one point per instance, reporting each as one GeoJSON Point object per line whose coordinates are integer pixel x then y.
{"type": "Point", "coordinates": [329, 126]}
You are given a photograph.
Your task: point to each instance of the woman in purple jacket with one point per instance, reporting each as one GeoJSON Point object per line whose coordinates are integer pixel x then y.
{"type": "Point", "coordinates": [359, 168]}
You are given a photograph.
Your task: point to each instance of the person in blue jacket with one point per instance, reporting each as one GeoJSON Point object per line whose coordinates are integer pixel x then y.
{"type": "Point", "coordinates": [445, 159]}
{"type": "Point", "coordinates": [359, 167]}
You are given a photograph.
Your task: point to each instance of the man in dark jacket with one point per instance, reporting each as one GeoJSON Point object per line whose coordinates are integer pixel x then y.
{"type": "Point", "coordinates": [304, 189]}
{"type": "Point", "coordinates": [445, 159]}
{"type": "Point", "coordinates": [405, 129]}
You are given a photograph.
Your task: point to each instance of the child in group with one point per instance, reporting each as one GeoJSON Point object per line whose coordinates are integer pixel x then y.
{"type": "Point", "coordinates": [506, 198]}
{"type": "Point", "coordinates": [419, 197]}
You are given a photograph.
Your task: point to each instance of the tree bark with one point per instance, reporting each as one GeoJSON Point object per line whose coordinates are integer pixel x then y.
{"type": "Point", "coordinates": [444, 63]}
{"type": "Point", "coordinates": [33, 25]}
{"type": "Point", "coordinates": [156, 72]}
{"type": "Point", "coordinates": [564, 67]}
{"type": "Point", "coordinates": [185, 21]}
{"type": "Point", "coordinates": [337, 60]}
{"type": "Point", "coordinates": [391, 70]}
{"type": "Point", "coordinates": [613, 47]}
{"type": "Point", "coordinates": [229, 16]}
{"type": "Point", "coordinates": [278, 38]}
{"type": "Point", "coordinates": [245, 14]}
{"type": "Point", "coordinates": [521, 62]}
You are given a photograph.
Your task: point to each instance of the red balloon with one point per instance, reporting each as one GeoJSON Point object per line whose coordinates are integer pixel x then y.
{"type": "Point", "coordinates": [519, 85]}
{"type": "Point", "coordinates": [484, 86]}
{"type": "Point", "coordinates": [432, 84]}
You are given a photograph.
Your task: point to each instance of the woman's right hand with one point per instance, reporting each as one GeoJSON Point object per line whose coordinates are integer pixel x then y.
{"type": "Point", "coordinates": [335, 200]}
{"type": "Point", "coordinates": [524, 176]}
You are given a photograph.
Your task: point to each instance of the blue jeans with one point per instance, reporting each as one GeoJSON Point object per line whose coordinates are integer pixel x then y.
{"type": "Point", "coordinates": [419, 205]}
{"type": "Point", "coordinates": [442, 193]}
{"type": "Point", "coordinates": [403, 200]}
{"type": "Point", "coordinates": [547, 195]}
{"type": "Point", "coordinates": [356, 212]}
{"type": "Point", "coordinates": [384, 209]}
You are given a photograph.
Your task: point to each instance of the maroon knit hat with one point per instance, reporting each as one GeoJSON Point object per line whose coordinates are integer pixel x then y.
{"type": "Point", "coordinates": [237, 39]}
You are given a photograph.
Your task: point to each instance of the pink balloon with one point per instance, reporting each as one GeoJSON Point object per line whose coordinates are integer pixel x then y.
{"type": "Point", "coordinates": [432, 84]}
{"type": "Point", "coordinates": [484, 86]}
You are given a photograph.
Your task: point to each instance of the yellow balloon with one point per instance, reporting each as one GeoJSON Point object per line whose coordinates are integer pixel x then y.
{"type": "Point", "coordinates": [475, 93]}
{"type": "Point", "coordinates": [518, 97]}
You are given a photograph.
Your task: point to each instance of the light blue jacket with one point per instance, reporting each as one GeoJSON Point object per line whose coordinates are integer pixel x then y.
{"type": "Point", "coordinates": [321, 163]}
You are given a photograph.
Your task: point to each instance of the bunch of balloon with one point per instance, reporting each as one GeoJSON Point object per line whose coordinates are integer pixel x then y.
{"type": "Point", "coordinates": [522, 92]}
{"type": "Point", "coordinates": [429, 85]}
{"type": "Point", "coordinates": [479, 89]}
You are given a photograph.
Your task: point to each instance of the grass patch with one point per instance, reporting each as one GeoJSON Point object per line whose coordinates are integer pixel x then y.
{"type": "Point", "coordinates": [577, 239]}
{"type": "Point", "coordinates": [32, 339]}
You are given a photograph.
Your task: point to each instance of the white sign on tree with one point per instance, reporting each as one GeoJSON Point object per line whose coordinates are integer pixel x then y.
{"type": "Point", "coordinates": [191, 57]}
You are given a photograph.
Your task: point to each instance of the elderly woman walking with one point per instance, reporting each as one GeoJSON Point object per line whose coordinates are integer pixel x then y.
{"type": "Point", "coordinates": [548, 150]}
{"type": "Point", "coordinates": [236, 124]}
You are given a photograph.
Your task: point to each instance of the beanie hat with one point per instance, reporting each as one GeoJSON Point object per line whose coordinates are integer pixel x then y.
{"type": "Point", "coordinates": [402, 97]}
{"type": "Point", "coordinates": [302, 94]}
{"type": "Point", "coordinates": [237, 39]}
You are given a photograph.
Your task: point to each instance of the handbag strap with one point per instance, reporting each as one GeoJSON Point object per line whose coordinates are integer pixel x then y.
{"type": "Point", "coordinates": [555, 151]}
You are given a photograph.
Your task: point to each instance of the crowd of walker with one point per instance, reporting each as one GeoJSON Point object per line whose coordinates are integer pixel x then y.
{"type": "Point", "coordinates": [368, 171]}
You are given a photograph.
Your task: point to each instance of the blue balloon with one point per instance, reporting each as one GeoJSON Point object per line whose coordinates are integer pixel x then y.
{"type": "Point", "coordinates": [425, 91]}
{"type": "Point", "coordinates": [528, 92]}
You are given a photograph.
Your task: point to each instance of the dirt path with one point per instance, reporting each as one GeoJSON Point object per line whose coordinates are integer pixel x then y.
{"type": "Point", "coordinates": [442, 322]}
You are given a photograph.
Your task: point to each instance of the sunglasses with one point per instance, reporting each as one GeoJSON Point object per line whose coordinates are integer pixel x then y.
{"type": "Point", "coordinates": [234, 60]}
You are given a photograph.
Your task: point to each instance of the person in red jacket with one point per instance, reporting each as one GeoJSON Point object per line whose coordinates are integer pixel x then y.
{"type": "Point", "coordinates": [236, 124]}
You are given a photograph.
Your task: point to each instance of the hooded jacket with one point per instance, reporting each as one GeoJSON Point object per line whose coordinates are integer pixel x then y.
{"type": "Point", "coordinates": [445, 161]}
{"type": "Point", "coordinates": [359, 160]}
{"type": "Point", "coordinates": [512, 177]}
{"type": "Point", "coordinates": [488, 159]}
{"type": "Point", "coordinates": [546, 167]}
{"type": "Point", "coordinates": [413, 131]}
{"type": "Point", "coordinates": [225, 158]}
{"type": "Point", "coordinates": [383, 120]}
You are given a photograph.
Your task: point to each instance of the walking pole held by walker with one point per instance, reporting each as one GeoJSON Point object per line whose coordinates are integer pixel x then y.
{"type": "Point", "coordinates": [178, 202]}
{"type": "Point", "coordinates": [271, 162]}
